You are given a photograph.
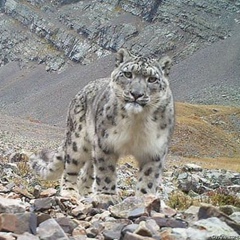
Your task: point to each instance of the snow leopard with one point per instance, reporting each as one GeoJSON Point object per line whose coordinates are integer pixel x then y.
{"type": "Point", "coordinates": [129, 113]}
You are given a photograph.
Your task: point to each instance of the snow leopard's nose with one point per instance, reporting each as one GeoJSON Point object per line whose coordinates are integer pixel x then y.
{"type": "Point", "coordinates": [136, 94]}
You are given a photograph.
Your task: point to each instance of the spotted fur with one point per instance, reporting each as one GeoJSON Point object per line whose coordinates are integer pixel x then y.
{"type": "Point", "coordinates": [131, 113]}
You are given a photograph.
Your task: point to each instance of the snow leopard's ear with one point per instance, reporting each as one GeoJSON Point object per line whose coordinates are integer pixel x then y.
{"type": "Point", "coordinates": [166, 64]}
{"type": "Point", "coordinates": [122, 56]}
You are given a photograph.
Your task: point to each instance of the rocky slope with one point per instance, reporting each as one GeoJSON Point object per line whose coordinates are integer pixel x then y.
{"type": "Point", "coordinates": [31, 210]}
{"type": "Point", "coordinates": [82, 31]}
{"type": "Point", "coordinates": [210, 76]}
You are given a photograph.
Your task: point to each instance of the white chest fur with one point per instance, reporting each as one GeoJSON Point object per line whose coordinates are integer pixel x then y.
{"type": "Point", "coordinates": [137, 135]}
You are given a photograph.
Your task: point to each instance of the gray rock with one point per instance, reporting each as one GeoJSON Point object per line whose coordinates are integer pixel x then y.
{"type": "Point", "coordinates": [148, 228]}
{"type": "Point", "coordinates": [193, 210]}
{"type": "Point", "coordinates": [189, 233]}
{"type": "Point", "coordinates": [95, 229]}
{"type": "Point", "coordinates": [7, 236]}
{"type": "Point", "coordinates": [191, 214]}
{"type": "Point", "coordinates": [43, 203]}
{"type": "Point", "coordinates": [111, 234]}
{"type": "Point", "coordinates": [235, 179]}
{"type": "Point", "coordinates": [123, 209]}
{"type": "Point", "coordinates": [233, 188]}
{"type": "Point", "coordinates": [27, 236]}
{"type": "Point", "coordinates": [182, 176]}
{"type": "Point", "coordinates": [195, 182]}
{"type": "Point", "coordinates": [10, 169]}
{"type": "Point", "coordinates": [113, 227]}
{"type": "Point", "coordinates": [50, 230]}
{"type": "Point", "coordinates": [55, 64]}
{"type": "Point", "coordinates": [81, 209]}
{"type": "Point", "coordinates": [11, 206]}
{"type": "Point", "coordinates": [208, 211]}
{"type": "Point", "coordinates": [190, 183]}
{"type": "Point", "coordinates": [214, 227]}
{"type": "Point", "coordinates": [167, 211]}
{"type": "Point", "coordinates": [143, 230]}
{"type": "Point", "coordinates": [170, 222]}
{"type": "Point", "coordinates": [236, 217]}
{"type": "Point", "coordinates": [137, 212]}
{"type": "Point", "coordinates": [129, 228]}
{"type": "Point", "coordinates": [67, 224]}
{"type": "Point", "coordinates": [79, 51]}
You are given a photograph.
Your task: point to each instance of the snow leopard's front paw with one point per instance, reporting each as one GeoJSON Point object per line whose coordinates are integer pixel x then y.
{"type": "Point", "coordinates": [70, 193]}
{"type": "Point", "coordinates": [104, 200]}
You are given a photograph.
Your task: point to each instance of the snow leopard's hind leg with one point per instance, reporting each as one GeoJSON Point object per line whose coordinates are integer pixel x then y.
{"type": "Point", "coordinates": [78, 174]}
{"type": "Point", "coordinates": [86, 178]}
{"type": "Point", "coordinates": [78, 152]}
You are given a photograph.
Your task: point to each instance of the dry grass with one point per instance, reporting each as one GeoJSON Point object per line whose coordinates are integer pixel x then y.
{"type": "Point", "coordinates": [232, 164]}
{"type": "Point", "coordinates": [206, 131]}
{"type": "Point", "coordinates": [181, 201]}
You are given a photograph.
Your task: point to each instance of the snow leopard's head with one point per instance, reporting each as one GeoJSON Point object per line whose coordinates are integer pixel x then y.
{"type": "Point", "coordinates": [140, 82]}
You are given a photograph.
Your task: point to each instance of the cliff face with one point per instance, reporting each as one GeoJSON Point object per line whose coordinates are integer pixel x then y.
{"type": "Point", "coordinates": [82, 31]}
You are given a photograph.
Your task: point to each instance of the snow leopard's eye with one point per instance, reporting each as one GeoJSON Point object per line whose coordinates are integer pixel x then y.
{"type": "Point", "coordinates": [152, 79]}
{"type": "Point", "coordinates": [128, 74]}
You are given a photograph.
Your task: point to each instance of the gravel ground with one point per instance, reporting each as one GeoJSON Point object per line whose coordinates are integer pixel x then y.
{"type": "Point", "coordinates": [17, 135]}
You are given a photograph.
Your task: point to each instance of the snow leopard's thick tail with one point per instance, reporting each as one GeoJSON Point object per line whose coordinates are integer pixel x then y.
{"type": "Point", "coordinates": [49, 165]}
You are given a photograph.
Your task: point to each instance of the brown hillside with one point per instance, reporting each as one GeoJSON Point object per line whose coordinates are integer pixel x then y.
{"type": "Point", "coordinates": [206, 131]}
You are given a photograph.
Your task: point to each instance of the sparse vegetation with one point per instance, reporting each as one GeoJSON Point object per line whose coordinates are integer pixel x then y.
{"type": "Point", "coordinates": [206, 131]}
{"type": "Point", "coordinates": [220, 197]}
{"type": "Point", "coordinates": [118, 8]}
{"type": "Point", "coordinates": [179, 200]}
{"type": "Point", "coordinates": [223, 196]}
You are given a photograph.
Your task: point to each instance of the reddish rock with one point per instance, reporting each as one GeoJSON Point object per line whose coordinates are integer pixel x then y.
{"type": "Point", "coordinates": [8, 222]}
{"type": "Point", "coordinates": [48, 192]}
{"type": "Point", "coordinates": [152, 203]}
{"type": "Point", "coordinates": [18, 223]}
{"type": "Point", "coordinates": [167, 235]}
